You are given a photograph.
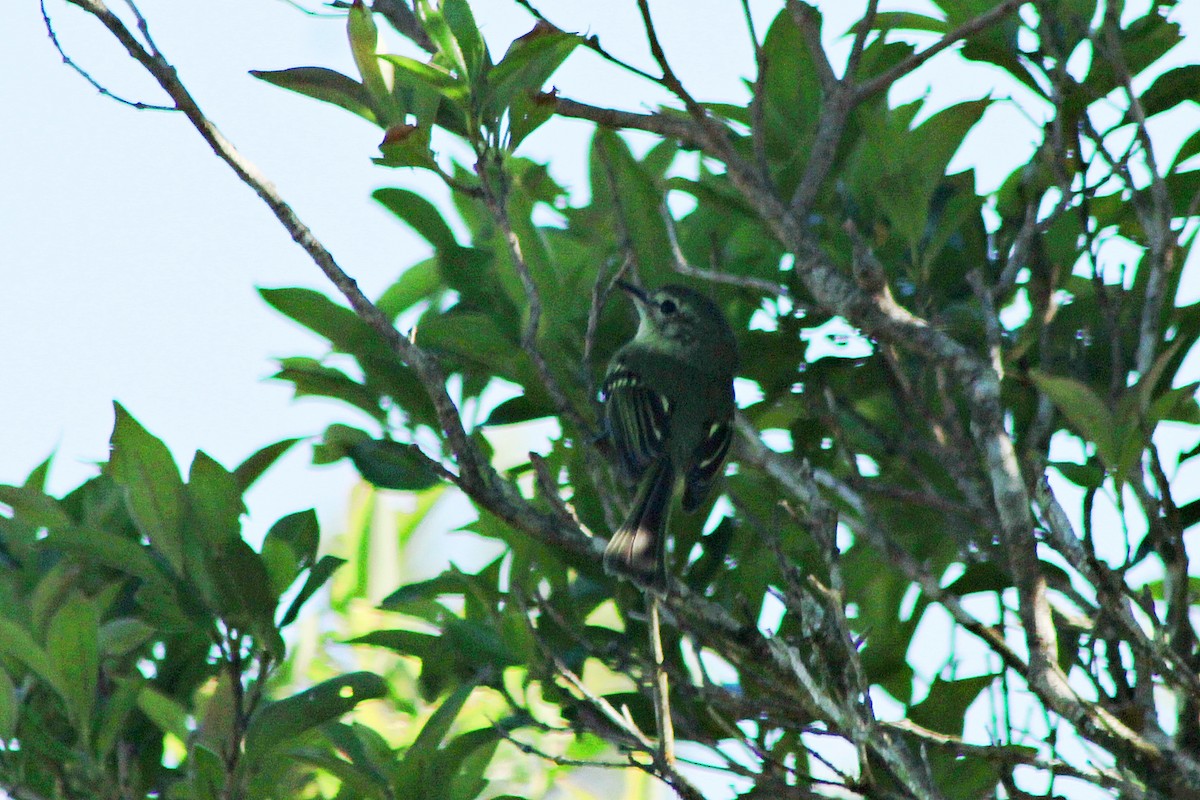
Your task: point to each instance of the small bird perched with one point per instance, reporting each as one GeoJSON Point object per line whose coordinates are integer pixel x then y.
{"type": "Point", "coordinates": [668, 397]}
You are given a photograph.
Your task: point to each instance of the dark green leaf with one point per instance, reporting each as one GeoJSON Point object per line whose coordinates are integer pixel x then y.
{"type": "Point", "coordinates": [1085, 411]}
{"type": "Point", "coordinates": [32, 506]}
{"type": "Point", "coordinates": [1088, 476]}
{"type": "Point", "coordinates": [10, 710]}
{"type": "Point", "coordinates": [528, 64]}
{"type": "Point", "coordinates": [37, 477]}
{"type": "Point", "coordinates": [421, 281]}
{"type": "Point", "coordinates": [419, 214]}
{"type": "Point", "coordinates": [253, 467]}
{"type": "Point", "coordinates": [1173, 87]}
{"type": "Point", "coordinates": [290, 547]}
{"type": "Point", "coordinates": [324, 84]}
{"type": "Point", "coordinates": [316, 579]}
{"type": "Point", "coordinates": [279, 723]}
{"type": "Point", "coordinates": [944, 709]}
{"type": "Point", "coordinates": [72, 645]}
{"type": "Point", "coordinates": [215, 502]}
{"type": "Point", "coordinates": [313, 379]}
{"type": "Point", "coordinates": [337, 443]}
{"type": "Point", "coordinates": [392, 465]}
{"type": "Point", "coordinates": [520, 409]}
{"type": "Point", "coordinates": [154, 494]}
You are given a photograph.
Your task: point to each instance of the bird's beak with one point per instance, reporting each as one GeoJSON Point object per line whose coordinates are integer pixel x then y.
{"type": "Point", "coordinates": [637, 293]}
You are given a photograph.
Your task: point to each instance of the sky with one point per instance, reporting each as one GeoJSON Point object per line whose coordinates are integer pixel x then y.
{"type": "Point", "coordinates": [131, 255]}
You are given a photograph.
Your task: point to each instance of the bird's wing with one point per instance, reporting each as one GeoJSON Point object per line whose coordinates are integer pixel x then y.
{"type": "Point", "coordinates": [638, 419]}
{"type": "Point", "coordinates": [710, 455]}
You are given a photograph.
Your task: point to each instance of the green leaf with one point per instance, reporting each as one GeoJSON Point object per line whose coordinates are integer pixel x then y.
{"type": "Point", "coordinates": [461, 22]}
{"type": "Point", "coordinates": [215, 502]}
{"type": "Point", "coordinates": [465, 759]}
{"type": "Point", "coordinates": [142, 466]}
{"type": "Point", "coordinates": [435, 730]}
{"type": "Point", "coordinates": [406, 145]}
{"type": "Point", "coordinates": [244, 596]}
{"type": "Point", "coordinates": [364, 39]}
{"type": "Point", "coordinates": [206, 773]}
{"type": "Point", "coordinates": [434, 23]}
{"type": "Point", "coordinates": [290, 547]}
{"type": "Point", "coordinates": [905, 21]}
{"type": "Point", "coordinates": [449, 582]}
{"type": "Point", "coordinates": [116, 552]}
{"type": "Point", "coordinates": [312, 309]}
{"type": "Point", "coordinates": [121, 636]}
{"type": "Point", "coordinates": [429, 77]}
{"type": "Point", "coordinates": [419, 214]}
{"type": "Point", "coordinates": [311, 378]}
{"type": "Point", "coordinates": [32, 506]}
{"type": "Point", "coordinates": [165, 712]}
{"type": "Point", "coordinates": [1173, 87]}
{"type": "Point", "coordinates": [253, 467]}
{"type": "Point", "coordinates": [520, 409]}
{"type": "Point", "coordinates": [337, 442]}
{"type": "Point", "coordinates": [325, 85]}
{"type": "Point", "coordinates": [10, 709]}
{"type": "Point", "coordinates": [278, 724]}
{"type": "Point", "coordinates": [37, 476]}
{"type": "Point", "coordinates": [316, 579]}
{"type": "Point", "coordinates": [526, 113]}
{"type": "Point", "coordinates": [392, 465]}
{"type": "Point", "coordinates": [16, 642]}
{"type": "Point", "coordinates": [421, 281]}
{"type": "Point", "coordinates": [404, 642]}
{"type": "Point", "coordinates": [72, 644]}
{"type": "Point", "coordinates": [528, 64]}
{"type": "Point", "coordinates": [1088, 476]}
{"type": "Point", "coordinates": [944, 709]}
{"type": "Point", "coordinates": [1086, 412]}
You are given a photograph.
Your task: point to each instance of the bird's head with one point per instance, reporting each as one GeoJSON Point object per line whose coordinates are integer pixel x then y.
{"type": "Point", "coordinates": [676, 317]}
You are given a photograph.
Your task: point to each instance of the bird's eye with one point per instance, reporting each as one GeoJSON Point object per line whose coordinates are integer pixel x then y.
{"type": "Point", "coordinates": [668, 307]}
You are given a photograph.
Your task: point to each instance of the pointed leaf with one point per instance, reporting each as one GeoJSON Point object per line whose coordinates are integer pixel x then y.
{"type": "Point", "coordinates": [326, 85]}
{"type": "Point", "coordinates": [277, 724]}
{"type": "Point", "coordinates": [419, 214]}
{"type": "Point", "coordinates": [1085, 411]}
{"type": "Point", "coordinates": [142, 465]}
{"type": "Point", "coordinates": [316, 579]}
{"type": "Point", "coordinates": [253, 467]}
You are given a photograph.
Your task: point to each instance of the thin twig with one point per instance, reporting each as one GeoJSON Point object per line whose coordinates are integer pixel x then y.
{"type": "Point", "coordinates": [104, 90]}
{"type": "Point", "coordinates": [681, 265]}
{"type": "Point", "coordinates": [661, 684]}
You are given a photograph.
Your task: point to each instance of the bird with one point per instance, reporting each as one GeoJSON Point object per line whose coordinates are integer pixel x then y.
{"type": "Point", "coordinates": [668, 408]}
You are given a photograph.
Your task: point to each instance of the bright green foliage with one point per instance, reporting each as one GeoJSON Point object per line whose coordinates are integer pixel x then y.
{"type": "Point", "coordinates": [131, 607]}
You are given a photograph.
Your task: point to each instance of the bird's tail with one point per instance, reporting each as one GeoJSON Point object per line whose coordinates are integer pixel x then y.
{"type": "Point", "coordinates": [637, 548]}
